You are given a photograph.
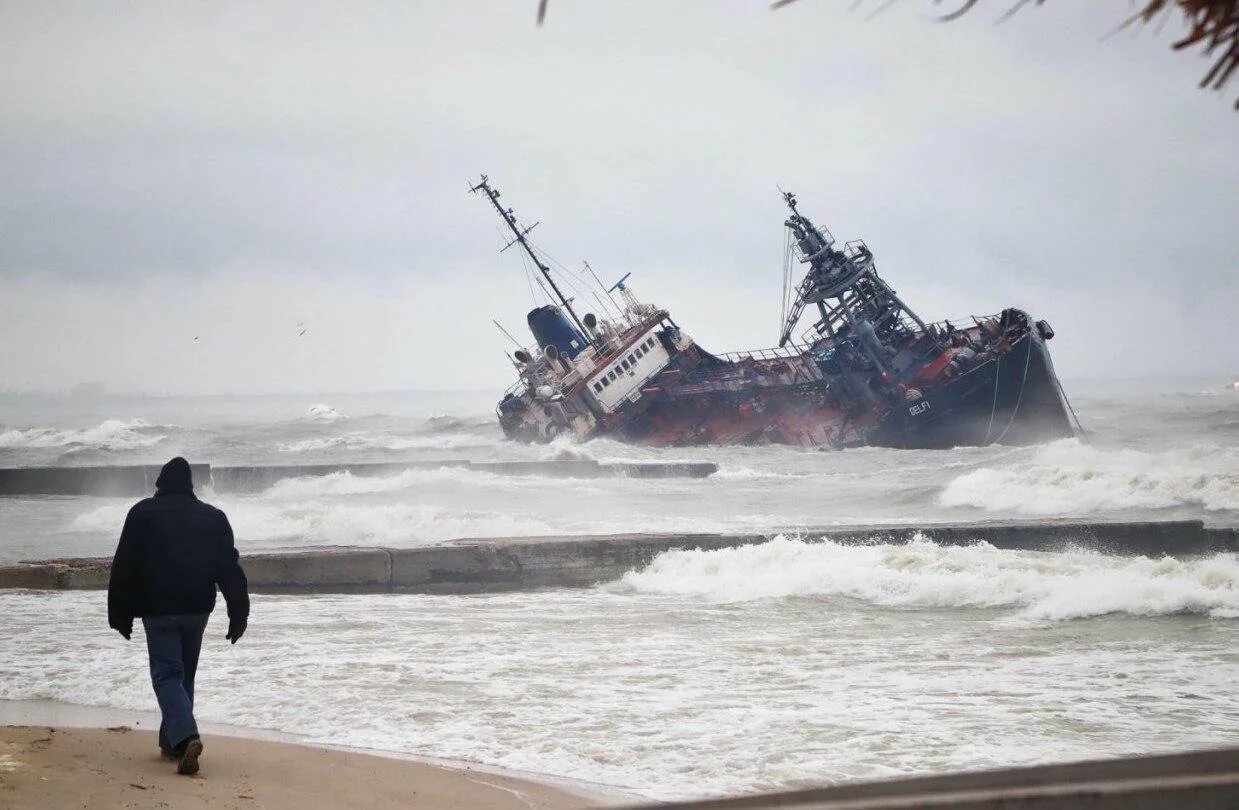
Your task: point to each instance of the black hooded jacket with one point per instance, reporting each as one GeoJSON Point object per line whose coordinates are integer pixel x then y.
{"type": "Point", "coordinates": [173, 552]}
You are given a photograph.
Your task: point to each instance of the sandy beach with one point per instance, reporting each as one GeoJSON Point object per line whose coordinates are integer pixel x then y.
{"type": "Point", "coordinates": [57, 766]}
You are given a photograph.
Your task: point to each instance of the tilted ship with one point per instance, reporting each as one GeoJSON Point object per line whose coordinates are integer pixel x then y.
{"type": "Point", "coordinates": [870, 371]}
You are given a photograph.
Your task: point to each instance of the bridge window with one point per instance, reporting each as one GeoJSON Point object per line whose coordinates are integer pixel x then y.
{"type": "Point", "coordinates": [597, 387]}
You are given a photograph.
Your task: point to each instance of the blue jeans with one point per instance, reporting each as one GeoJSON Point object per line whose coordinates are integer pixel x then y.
{"type": "Point", "coordinates": [173, 644]}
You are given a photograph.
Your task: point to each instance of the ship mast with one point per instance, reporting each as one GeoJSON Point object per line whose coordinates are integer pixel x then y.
{"type": "Point", "coordinates": [509, 217]}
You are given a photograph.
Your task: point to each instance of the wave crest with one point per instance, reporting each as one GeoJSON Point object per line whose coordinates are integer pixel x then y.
{"type": "Point", "coordinates": [325, 413]}
{"type": "Point", "coordinates": [362, 441]}
{"type": "Point", "coordinates": [1043, 586]}
{"type": "Point", "coordinates": [1068, 477]}
{"type": "Point", "coordinates": [112, 434]}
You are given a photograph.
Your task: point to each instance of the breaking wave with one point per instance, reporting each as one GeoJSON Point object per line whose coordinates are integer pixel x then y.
{"type": "Point", "coordinates": [566, 448]}
{"type": "Point", "coordinates": [1043, 586]}
{"type": "Point", "coordinates": [739, 472]}
{"type": "Point", "coordinates": [325, 413]}
{"type": "Point", "coordinates": [446, 423]}
{"type": "Point", "coordinates": [1067, 477]}
{"type": "Point", "coordinates": [308, 522]}
{"type": "Point", "coordinates": [345, 483]}
{"type": "Point", "coordinates": [363, 441]}
{"type": "Point", "coordinates": [112, 434]}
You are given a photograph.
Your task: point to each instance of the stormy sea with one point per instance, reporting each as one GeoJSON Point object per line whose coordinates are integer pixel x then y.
{"type": "Point", "coordinates": [797, 661]}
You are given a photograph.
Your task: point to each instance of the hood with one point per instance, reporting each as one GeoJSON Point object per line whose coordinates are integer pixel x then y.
{"type": "Point", "coordinates": [175, 477]}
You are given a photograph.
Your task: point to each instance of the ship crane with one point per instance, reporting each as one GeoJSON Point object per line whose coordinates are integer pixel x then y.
{"type": "Point", "coordinates": [854, 304]}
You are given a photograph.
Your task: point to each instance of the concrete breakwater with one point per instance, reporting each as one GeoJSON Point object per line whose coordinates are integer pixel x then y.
{"type": "Point", "coordinates": [528, 563]}
{"type": "Point", "coordinates": [138, 480]}
{"type": "Point", "coordinates": [1196, 779]}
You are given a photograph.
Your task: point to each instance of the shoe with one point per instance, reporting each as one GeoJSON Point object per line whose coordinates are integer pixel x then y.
{"type": "Point", "coordinates": [188, 766]}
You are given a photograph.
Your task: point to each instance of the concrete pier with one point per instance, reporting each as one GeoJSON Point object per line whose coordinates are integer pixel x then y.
{"type": "Point", "coordinates": [482, 565]}
{"type": "Point", "coordinates": [136, 481]}
{"type": "Point", "coordinates": [114, 481]}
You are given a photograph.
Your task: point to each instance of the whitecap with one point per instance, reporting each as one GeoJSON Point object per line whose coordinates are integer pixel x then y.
{"type": "Point", "coordinates": [1041, 585]}
{"type": "Point", "coordinates": [1068, 477]}
{"type": "Point", "coordinates": [325, 413]}
{"type": "Point", "coordinates": [112, 434]}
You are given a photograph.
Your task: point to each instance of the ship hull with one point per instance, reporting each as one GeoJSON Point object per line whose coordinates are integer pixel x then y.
{"type": "Point", "coordinates": [1013, 399]}
{"type": "Point", "coordinates": [995, 385]}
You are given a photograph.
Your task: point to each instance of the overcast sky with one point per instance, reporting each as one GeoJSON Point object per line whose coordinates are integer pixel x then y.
{"type": "Point", "coordinates": [227, 171]}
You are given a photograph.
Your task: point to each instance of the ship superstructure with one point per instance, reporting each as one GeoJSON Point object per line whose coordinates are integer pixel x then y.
{"type": "Point", "coordinates": [868, 371]}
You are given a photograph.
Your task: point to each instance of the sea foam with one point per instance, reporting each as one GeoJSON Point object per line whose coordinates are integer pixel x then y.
{"type": "Point", "coordinates": [921, 574]}
{"type": "Point", "coordinates": [325, 413]}
{"type": "Point", "coordinates": [1068, 477]}
{"type": "Point", "coordinates": [112, 434]}
{"type": "Point", "coordinates": [364, 441]}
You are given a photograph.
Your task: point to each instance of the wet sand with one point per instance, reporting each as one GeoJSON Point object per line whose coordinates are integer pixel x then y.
{"type": "Point", "coordinates": [58, 766]}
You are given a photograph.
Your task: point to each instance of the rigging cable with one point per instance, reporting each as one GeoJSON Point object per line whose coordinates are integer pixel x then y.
{"type": "Point", "coordinates": [787, 276]}
{"type": "Point", "coordinates": [994, 403]}
{"type": "Point", "coordinates": [601, 287]}
{"type": "Point", "coordinates": [567, 276]}
{"type": "Point", "coordinates": [533, 296]}
{"type": "Point", "coordinates": [529, 279]}
{"type": "Point", "coordinates": [1018, 397]}
{"type": "Point", "coordinates": [1070, 407]}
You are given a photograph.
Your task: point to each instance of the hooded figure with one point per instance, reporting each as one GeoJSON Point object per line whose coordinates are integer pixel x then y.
{"type": "Point", "coordinates": [174, 552]}
{"type": "Point", "coordinates": [176, 476]}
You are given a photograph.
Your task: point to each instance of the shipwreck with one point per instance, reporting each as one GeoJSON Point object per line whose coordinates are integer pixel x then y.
{"type": "Point", "coordinates": [868, 371]}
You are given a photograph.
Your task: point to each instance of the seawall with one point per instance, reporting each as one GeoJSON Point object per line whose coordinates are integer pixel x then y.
{"type": "Point", "coordinates": [1201, 780]}
{"type": "Point", "coordinates": [482, 565]}
{"type": "Point", "coordinates": [139, 480]}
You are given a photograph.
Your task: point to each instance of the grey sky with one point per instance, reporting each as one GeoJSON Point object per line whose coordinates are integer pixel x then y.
{"type": "Point", "coordinates": [227, 170]}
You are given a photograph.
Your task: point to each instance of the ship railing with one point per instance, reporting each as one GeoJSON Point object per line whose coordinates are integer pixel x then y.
{"type": "Point", "coordinates": [519, 385]}
{"type": "Point", "coordinates": [857, 249]}
{"type": "Point", "coordinates": [773, 353]}
{"type": "Point", "coordinates": [964, 322]}
{"type": "Point", "coordinates": [960, 324]}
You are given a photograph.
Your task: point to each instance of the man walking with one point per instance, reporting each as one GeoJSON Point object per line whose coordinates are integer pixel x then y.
{"type": "Point", "coordinates": [173, 552]}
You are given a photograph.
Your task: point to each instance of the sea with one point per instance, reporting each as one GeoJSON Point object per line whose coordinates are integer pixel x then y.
{"type": "Point", "coordinates": [798, 661]}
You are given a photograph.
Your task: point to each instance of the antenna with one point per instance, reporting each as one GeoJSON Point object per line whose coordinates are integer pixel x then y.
{"type": "Point", "coordinates": [509, 334]}
{"type": "Point", "coordinates": [509, 217]}
{"type": "Point", "coordinates": [619, 285]}
{"type": "Point", "coordinates": [601, 286]}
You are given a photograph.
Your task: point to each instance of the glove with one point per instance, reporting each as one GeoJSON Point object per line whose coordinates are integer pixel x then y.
{"type": "Point", "coordinates": [236, 629]}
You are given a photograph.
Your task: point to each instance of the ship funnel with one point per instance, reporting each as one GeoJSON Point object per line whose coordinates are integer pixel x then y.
{"type": "Point", "coordinates": [551, 329]}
